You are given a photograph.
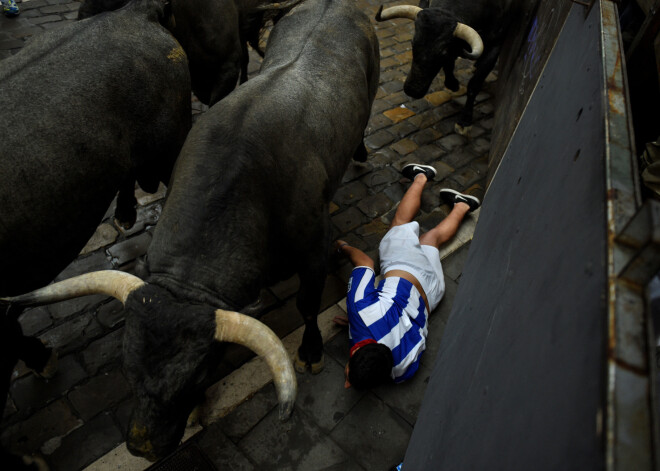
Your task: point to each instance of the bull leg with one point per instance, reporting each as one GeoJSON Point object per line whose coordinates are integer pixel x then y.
{"type": "Point", "coordinates": [360, 154]}
{"type": "Point", "coordinates": [16, 346]}
{"type": "Point", "coordinates": [125, 213]}
{"type": "Point", "coordinates": [9, 336]}
{"type": "Point", "coordinates": [483, 67]}
{"type": "Point", "coordinates": [312, 281]}
{"type": "Point", "coordinates": [310, 352]}
{"type": "Point", "coordinates": [257, 48]}
{"type": "Point", "coordinates": [249, 34]}
{"type": "Point", "coordinates": [22, 463]}
{"type": "Point", "coordinates": [228, 75]}
{"type": "Point", "coordinates": [253, 31]}
{"type": "Point", "coordinates": [245, 59]}
{"type": "Point", "coordinates": [451, 82]}
{"type": "Point", "coordinates": [39, 358]}
{"type": "Point", "coordinates": [36, 356]}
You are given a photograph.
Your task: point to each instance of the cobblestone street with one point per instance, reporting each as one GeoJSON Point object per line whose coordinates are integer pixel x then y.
{"type": "Point", "coordinates": [78, 418]}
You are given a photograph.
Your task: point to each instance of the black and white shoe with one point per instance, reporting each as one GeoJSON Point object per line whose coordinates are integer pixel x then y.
{"type": "Point", "coordinates": [451, 197]}
{"type": "Point", "coordinates": [410, 171]}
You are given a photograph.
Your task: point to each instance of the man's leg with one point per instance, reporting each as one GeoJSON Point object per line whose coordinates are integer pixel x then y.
{"type": "Point", "coordinates": [412, 200]}
{"type": "Point", "coordinates": [447, 227]}
{"type": "Point", "coordinates": [462, 204]}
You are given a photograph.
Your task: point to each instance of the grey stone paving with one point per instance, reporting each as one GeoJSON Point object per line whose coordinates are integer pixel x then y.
{"type": "Point", "coordinates": [82, 413]}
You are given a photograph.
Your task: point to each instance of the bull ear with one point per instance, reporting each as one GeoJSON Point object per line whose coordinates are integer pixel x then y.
{"type": "Point", "coordinates": [246, 331]}
{"type": "Point", "coordinates": [109, 282]}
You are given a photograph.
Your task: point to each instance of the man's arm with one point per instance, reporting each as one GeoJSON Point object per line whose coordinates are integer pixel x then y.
{"type": "Point", "coordinates": [358, 257]}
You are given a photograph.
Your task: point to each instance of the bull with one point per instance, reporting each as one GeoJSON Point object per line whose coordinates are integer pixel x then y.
{"type": "Point", "coordinates": [443, 29]}
{"type": "Point", "coordinates": [248, 205]}
{"type": "Point", "coordinates": [215, 35]}
{"type": "Point", "coordinates": [94, 106]}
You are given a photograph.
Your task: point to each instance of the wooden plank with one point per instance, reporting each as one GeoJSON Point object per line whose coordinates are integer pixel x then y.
{"type": "Point", "coordinates": [519, 382]}
{"type": "Point", "coordinates": [521, 63]}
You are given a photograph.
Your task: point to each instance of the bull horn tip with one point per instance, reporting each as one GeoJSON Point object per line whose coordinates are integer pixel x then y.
{"type": "Point", "coordinates": [380, 10]}
{"type": "Point", "coordinates": [286, 409]}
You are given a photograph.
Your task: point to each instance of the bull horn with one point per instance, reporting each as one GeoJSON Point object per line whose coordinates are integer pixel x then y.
{"type": "Point", "coordinates": [110, 282]}
{"type": "Point", "coordinates": [399, 11]}
{"type": "Point", "coordinates": [238, 328]}
{"type": "Point", "coordinates": [470, 36]}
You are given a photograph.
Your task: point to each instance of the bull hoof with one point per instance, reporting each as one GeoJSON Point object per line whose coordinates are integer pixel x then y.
{"type": "Point", "coordinates": [125, 225]}
{"type": "Point", "coordinates": [463, 131]}
{"type": "Point", "coordinates": [49, 370]}
{"type": "Point", "coordinates": [286, 409]}
{"type": "Point", "coordinates": [36, 463]}
{"type": "Point", "coordinates": [316, 368]}
{"type": "Point", "coordinates": [299, 365]}
{"type": "Point", "coordinates": [194, 417]}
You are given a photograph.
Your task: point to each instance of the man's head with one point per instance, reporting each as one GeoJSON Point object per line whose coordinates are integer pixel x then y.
{"type": "Point", "coordinates": [369, 366]}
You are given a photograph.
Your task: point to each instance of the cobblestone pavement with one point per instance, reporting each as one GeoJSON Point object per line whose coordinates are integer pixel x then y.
{"type": "Point", "coordinates": [81, 414]}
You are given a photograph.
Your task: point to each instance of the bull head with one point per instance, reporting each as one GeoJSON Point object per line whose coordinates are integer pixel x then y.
{"type": "Point", "coordinates": [434, 45]}
{"type": "Point", "coordinates": [169, 352]}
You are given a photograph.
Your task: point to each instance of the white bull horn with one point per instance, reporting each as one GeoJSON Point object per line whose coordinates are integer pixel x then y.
{"type": "Point", "coordinates": [470, 36]}
{"type": "Point", "coordinates": [238, 328]}
{"type": "Point", "coordinates": [399, 11]}
{"type": "Point", "coordinates": [110, 282]}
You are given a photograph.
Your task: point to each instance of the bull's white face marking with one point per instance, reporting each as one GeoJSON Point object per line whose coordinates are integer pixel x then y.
{"type": "Point", "coordinates": [176, 55]}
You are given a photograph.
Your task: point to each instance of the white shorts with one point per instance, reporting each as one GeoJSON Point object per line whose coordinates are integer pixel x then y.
{"type": "Point", "coordinates": [400, 250]}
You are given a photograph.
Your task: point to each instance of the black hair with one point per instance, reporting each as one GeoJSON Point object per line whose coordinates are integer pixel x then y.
{"type": "Point", "coordinates": [370, 366]}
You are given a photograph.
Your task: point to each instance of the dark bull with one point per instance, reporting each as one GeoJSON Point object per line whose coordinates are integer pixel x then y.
{"type": "Point", "coordinates": [247, 206]}
{"type": "Point", "coordinates": [446, 30]}
{"type": "Point", "coordinates": [93, 106]}
{"type": "Point", "coordinates": [168, 352]}
{"type": "Point", "coordinates": [214, 34]}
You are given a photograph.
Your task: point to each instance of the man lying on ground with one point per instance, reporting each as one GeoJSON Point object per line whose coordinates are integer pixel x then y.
{"type": "Point", "coordinates": [388, 323]}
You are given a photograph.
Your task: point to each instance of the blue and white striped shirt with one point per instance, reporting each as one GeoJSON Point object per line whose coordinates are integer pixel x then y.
{"type": "Point", "coordinates": [393, 314]}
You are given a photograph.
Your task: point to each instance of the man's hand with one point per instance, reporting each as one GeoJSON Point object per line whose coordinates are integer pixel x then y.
{"type": "Point", "coordinates": [358, 257]}
{"type": "Point", "coordinates": [339, 245]}
{"type": "Point", "coordinates": [341, 321]}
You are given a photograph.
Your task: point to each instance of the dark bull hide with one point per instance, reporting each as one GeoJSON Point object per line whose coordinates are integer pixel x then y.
{"type": "Point", "coordinates": [93, 106]}
{"type": "Point", "coordinates": [438, 43]}
{"type": "Point", "coordinates": [214, 34]}
{"type": "Point", "coordinates": [248, 205]}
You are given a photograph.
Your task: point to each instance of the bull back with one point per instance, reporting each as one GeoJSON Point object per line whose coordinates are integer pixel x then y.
{"type": "Point", "coordinates": [259, 169]}
{"type": "Point", "coordinates": [94, 105]}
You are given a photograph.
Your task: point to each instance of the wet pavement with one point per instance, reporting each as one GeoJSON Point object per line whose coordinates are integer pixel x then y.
{"type": "Point", "coordinates": [78, 419]}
